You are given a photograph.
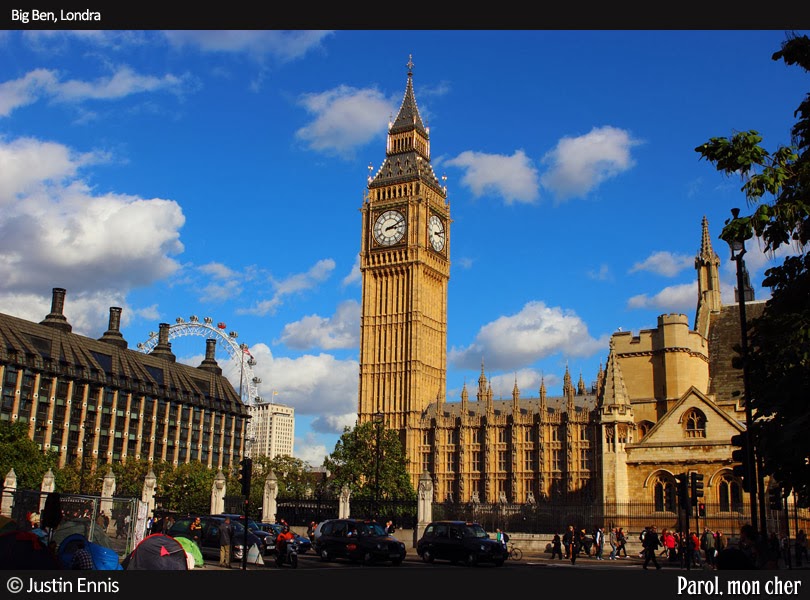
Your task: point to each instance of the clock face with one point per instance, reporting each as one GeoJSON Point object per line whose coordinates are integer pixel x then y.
{"type": "Point", "coordinates": [389, 227]}
{"type": "Point", "coordinates": [436, 233]}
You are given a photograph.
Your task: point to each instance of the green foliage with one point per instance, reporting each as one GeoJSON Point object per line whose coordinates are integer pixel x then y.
{"type": "Point", "coordinates": [187, 488]}
{"type": "Point", "coordinates": [20, 453]}
{"type": "Point", "coordinates": [779, 370]}
{"type": "Point", "coordinates": [777, 187]}
{"type": "Point", "coordinates": [355, 462]}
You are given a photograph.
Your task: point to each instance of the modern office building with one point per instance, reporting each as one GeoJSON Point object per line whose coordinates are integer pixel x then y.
{"type": "Point", "coordinates": [273, 429]}
{"type": "Point", "coordinates": [85, 397]}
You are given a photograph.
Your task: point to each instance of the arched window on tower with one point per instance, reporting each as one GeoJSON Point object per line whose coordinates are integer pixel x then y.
{"type": "Point", "coordinates": [695, 423]}
{"type": "Point", "coordinates": [644, 428]}
{"type": "Point", "coordinates": [729, 493]}
{"type": "Point", "coordinates": [665, 500]}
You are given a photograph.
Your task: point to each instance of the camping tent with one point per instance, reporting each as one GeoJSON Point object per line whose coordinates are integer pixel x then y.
{"type": "Point", "coordinates": [193, 550]}
{"type": "Point", "coordinates": [7, 524]}
{"type": "Point", "coordinates": [157, 552]}
{"type": "Point", "coordinates": [81, 526]}
{"type": "Point", "coordinates": [104, 559]}
{"type": "Point", "coordinates": [23, 550]}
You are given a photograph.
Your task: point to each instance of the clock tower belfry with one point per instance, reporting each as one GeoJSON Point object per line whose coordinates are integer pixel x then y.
{"type": "Point", "coordinates": [405, 266]}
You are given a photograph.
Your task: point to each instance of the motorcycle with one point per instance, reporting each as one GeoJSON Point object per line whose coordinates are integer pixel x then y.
{"type": "Point", "coordinates": [289, 556]}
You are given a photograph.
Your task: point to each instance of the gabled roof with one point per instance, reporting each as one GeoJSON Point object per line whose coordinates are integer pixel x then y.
{"type": "Point", "coordinates": [63, 353]}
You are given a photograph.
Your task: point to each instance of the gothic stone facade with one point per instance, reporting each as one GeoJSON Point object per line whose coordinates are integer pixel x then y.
{"type": "Point", "coordinates": [666, 402]}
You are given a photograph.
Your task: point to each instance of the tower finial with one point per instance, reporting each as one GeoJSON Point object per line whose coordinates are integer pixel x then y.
{"type": "Point", "coordinates": [410, 64]}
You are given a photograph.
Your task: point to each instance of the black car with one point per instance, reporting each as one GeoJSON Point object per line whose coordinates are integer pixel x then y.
{"type": "Point", "coordinates": [209, 541]}
{"type": "Point", "coordinates": [358, 540]}
{"type": "Point", "coordinates": [459, 541]}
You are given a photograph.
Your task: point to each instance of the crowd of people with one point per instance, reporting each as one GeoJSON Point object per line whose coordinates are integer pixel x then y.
{"type": "Point", "coordinates": [707, 549]}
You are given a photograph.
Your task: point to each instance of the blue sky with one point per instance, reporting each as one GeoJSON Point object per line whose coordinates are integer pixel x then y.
{"type": "Point", "coordinates": [221, 173]}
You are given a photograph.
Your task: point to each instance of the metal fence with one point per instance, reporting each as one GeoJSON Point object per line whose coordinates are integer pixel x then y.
{"type": "Point", "coordinates": [302, 511]}
{"type": "Point", "coordinates": [545, 518]}
{"type": "Point", "coordinates": [110, 522]}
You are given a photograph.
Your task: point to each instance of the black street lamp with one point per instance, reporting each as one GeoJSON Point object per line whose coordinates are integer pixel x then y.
{"type": "Point", "coordinates": [737, 251]}
{"type": "Point", "coordinates": [378, 421]}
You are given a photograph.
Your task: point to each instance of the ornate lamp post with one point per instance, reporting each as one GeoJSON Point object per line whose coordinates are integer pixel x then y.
{"type": "Point", "coordinates": [378, 421]}
{"type": "Point", "coordinates": [737, 252]}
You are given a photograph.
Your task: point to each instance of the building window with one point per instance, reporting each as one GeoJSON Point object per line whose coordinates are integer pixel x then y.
{"type": "Point", "coordinates": [502, 435]}
{"type": "Point", "coordinates": [556, 464]}
{"type": "Point", "coordinates": [476, 461]}
{"type": "Point", "coordinates": [644, 428]}
{"type": "Point", "coordinates": [665, 494]}
{"type": "Point", "coordinates": [502, 460]}
{"type": "Point", "coordinates": [695, 422]}
{"type": "Point", "coordinates": [729, 494]}
{"type": "Point", "coordinates": [426, 461]}
{"type": "Point", "coordinates": [585, 460]}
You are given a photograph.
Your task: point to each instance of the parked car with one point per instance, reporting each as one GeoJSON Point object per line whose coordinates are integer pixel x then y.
{"type": "Point", "coordinates": [459, 541]}
{"type": "Point", "coordinates": [268, 539]}
{"type": "Point", "coordinates": [358, 540]}
{"type": "Point", "coordinates": [209, 541]}
{"type": "Point", "coordinates": [273, 529]}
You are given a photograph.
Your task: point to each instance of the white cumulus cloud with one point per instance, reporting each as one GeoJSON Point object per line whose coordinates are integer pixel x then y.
{"type": "Point", "coordinates": [579, 164]}
{"type": "Point", "coordinates": [537, 331]}
{"type": "Point", "coordinates": [513, 178]}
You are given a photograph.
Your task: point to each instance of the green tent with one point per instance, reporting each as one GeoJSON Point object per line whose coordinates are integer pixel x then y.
{"type": "Point", "coordinates": [192, 549]}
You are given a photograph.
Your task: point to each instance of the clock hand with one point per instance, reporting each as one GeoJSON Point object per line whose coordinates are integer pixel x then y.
{"type": "Point", "coordinates": [394, 226]}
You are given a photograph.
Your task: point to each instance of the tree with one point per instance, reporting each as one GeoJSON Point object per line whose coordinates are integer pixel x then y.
{"type": "Point", "coordinates": [187, 488]}
{"type": "Point", "coordinates": [19, 452]}
{"type": "Point", "coordinates": [777, 189]}
{"type": "Point", "coordinates": [354, 463]}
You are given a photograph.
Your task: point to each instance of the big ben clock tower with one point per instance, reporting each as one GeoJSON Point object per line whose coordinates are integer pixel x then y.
{"type": "Point", "coordinates": [405, 264]}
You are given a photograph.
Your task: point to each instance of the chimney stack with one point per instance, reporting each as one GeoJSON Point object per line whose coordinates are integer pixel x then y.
{"type": "Point", "coordinates": [56, 318]}
{"type": "Point", "coordinates": [210, 362]}
{"type": "Point", "coordinates": [164, 347]}
{"type": "Point", "coordinates": [113, 334]}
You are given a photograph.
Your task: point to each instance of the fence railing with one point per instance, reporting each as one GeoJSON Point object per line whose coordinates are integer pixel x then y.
{"type": "Point", "coordinates": [545, 518]}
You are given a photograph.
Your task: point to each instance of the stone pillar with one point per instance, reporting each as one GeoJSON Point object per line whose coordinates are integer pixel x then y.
{"type": "Point", "coordinates": [107, 493]}
{"type": "Point", "coordinates": [148, 493]}
{"type": "Point", "coordinates": [344, 508]}
{"type": "Point", "coordinates": [424, 506]}
{"type": "Point", "coordinates": [48, 485]}
{"type": "Point", "coordinates": [269, 505]}
{"type": "Point", "coordinates": [218, 493]}
{"type": "Point", "coordinates": [9, 488]}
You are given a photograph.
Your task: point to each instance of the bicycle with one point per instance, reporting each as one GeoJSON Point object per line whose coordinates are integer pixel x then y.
{"type": "Point", "coordinates": [513, 552]}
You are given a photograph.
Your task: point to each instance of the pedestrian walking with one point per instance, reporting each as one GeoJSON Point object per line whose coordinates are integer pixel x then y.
{"type": "Point", "coordinates": [225, 541]}
{"type": "Point", "coordinates": [621, 538]}
{"type": "Point", "coordinates": [651, 544]}
{"type": "Point", "coordinates": [613, 540]}
{"type": "Point", "coordinates": [599, 542]}
{"type": "Point", "coordinates": [556, 546]}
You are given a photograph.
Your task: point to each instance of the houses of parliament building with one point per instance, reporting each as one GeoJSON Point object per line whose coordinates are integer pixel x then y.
{"type": "Point", "coordinates": [666, 400]}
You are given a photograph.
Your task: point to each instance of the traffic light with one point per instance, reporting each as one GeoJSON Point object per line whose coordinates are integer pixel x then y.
{"type": "Point", "coordinates": [701, 510]}
{"type": "Point", "coordinates": [683, 490]}
{"type": "Point", "coordinates": [670, 498]}
{"type": "Point", "coordinates": [740, 455]}
{"type": "Point", "coordinates": [775, 498]}
{"type": "Point", "coordinates": [697, 487]}
{"type": "Point", "coordinates": [245, 473]}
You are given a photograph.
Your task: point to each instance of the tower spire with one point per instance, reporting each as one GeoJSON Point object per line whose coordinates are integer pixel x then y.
{"type": "Point", "coordinates": [707, 264]}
